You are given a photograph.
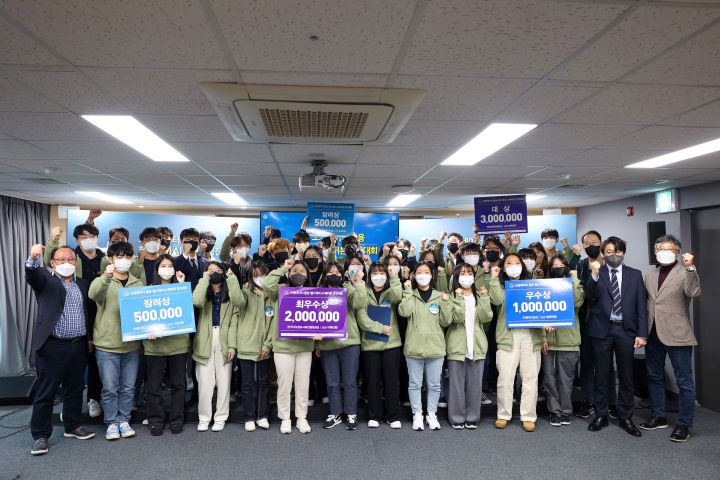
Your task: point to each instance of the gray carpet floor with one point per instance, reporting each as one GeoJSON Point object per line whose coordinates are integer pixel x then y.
{"type": "Point", "coordinates": [569, 452]}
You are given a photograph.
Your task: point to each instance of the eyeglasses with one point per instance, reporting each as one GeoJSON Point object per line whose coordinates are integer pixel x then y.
{"type": "Point", "coordinates": [673, 250]}
{"type": "Point", "coordinates": [65, 260]}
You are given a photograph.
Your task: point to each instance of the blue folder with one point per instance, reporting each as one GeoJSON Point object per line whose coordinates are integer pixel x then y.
{"type": "Point", "coordinates": [382, 315]}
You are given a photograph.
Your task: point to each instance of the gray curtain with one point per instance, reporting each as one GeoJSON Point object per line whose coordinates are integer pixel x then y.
{"type": "Point", "coordinates": [22, 224]}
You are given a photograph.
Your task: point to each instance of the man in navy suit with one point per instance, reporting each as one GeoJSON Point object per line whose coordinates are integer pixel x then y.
{"type": "Point", "coordinates": [189, 262]}
{"type": "Point", "coordinates": [618, 325]}
{"type": "Point", "coordinates": [60, 343]}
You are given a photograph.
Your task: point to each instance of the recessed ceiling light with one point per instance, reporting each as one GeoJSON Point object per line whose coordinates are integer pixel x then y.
{"type": "Point", "coordinates": [231, 198]}
{"type": "Point", "coordinates": [487, 142]}
{"type": "Point", "coordinates": [531, 198]}
{"type": "Point", "coordinates": [402, 200]}
{"type": "Point", "coordinates": [679, 155]}
{"type": "Point", "coordinates": [131, 132]}
{"type": "Point", "coordinates": [103, 196]}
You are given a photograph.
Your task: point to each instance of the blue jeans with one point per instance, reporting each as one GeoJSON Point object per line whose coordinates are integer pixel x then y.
{"type": "Point", "coordinates": [433, 374]}
{"type": "Point", "coordinates": [681, 360]}
{"type": "Point", "coordinates": [341, 369]}
{"type": "Point", "coordinates": [118, 372]}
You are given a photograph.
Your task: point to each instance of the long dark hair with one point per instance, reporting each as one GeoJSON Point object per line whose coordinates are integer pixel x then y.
{"type": "Point", "coordinates": [321, 259]}
{"type": "Point", "coordinates": [456, 277]}
{"type": "Point", "coordinates": [432, 276]}
{"type": "Point", "coordinates": [544, 263]}
{"type": "Point", "coordinates": [157, 280]}
{"type": "Point", "coordinates": [329, 266]}
{"type": "Point", "coordinates": [359, 256]}
{"type": "Point", "coordinates": [561, 257]}
{"type": "Point", "coordinates": [260, 266]}
{"type": "Point", "coordinates": [524, 274]}
{"type": "Point", "coordinates": [377, 266]}
{"type": "Point", "coordinates": [224, 294]}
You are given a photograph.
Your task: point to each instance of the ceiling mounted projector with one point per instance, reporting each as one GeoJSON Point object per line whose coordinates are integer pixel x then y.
{"type": "Point", "coordinates": [319, 179]}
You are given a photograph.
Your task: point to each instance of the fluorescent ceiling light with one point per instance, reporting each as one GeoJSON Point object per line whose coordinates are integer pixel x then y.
{"type": "Point", "coordinates": [231, 198]}
{"type": "Point", "coordinates": [487, 142]}
{"type": "Point", "coordinates": [402, 200]}
{"type": "Point", "coordinates": [531, 198]}
{"type": "Point", "coordinates": [679, 156]}
{"type": "Point", "coordinates": [128, 130]}
{"type": "Point", "coordinates": [103, 196]}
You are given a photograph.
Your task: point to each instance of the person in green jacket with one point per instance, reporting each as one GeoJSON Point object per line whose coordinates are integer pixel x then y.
{"type": "Point", "coordinates": [256, 313]}
{"type": "Point", "coordinates": [438, 269]}
{"type": "Point", "coordinates": [561, 350]}
{"type": "Point", "coordinates": [428, 311]}
{"type": "Point", "coordinates": [215, 343]}
{"type": "Point", "coordinates": [292, 356]}
{"type": "Point", "coordinates": [166, 355]}
{"type": "Point", "coordinates": [466, 345]}
{"type": "Point", "coordinates": [382, 347]}
{"type": "Point", "coordinates": [517, 346]}
{"type": "Point", "coordinates": [117, 360]}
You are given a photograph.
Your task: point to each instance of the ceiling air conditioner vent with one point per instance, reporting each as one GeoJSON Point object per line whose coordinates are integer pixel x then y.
{"type": "Point", "coordinates": [296, 114]}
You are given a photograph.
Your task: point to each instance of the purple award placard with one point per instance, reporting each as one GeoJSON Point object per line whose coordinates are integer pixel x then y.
{"type": "Point", "coordinates": [307, 312]}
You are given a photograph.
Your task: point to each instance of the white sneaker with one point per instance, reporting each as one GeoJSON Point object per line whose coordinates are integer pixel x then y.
{"type": "Point", "coordinates": [418, 422]}
{"type": "Point", "coordinates": [442, 404]}
{"type": "Point", "coordinates": [218, 426]}
{"type": "Point", "coordinates": [126, 430]}
{"type": "Point", "coordinates": [485, 400]}
{"type": "Point", "coordinates": [263, 423]}
{"type": "Point", "coordinates": [433, 421]}
{"type": "Point", "coordinates": [286, 427]}
{"type": "Point", "coordinates": [373, 424]}
{"type": "Point", "coordinates": [112, 433]}
{"type": "Point", "coordinates": [311, 403]}
{"type": "Point", "coordinates": [145, 422]}
{"type": "Point", "coordinates": [303, 426]}
{"type": "Point", "coordinates": [250, 426]}
{"type": "Point", "coordinates": [203, 426]}
{"type": "Point", "coordinates": [94, 409]}
{"type": "Point", "coordinates": [396, 425]}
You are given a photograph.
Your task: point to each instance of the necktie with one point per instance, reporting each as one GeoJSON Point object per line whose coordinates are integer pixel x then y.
{"type": "Point", "coordinates": [617, 300]}
{"type": "Point", "coordinates": [193, 263]}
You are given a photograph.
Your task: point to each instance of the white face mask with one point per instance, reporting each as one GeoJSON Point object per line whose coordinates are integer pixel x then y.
{"type": "Point", "coordinates": [166, 273]}
{"type": "Point", "coordinates": [301, 247]}
{"type": "Point", "coordinates": [65, 269]}
{"type": "Point", "coordinates": [326, 253]}
{"type": "Point", "coordinates": [152, 247]}
{"type": "Point", "coordinates": [549, 243]}
{"type": "Point", "coordinates": [122, 265]}
{"type": "Point", "coordinates": [394, 269]}
{"type": "Point", "coordinates": [466, 281]}
{"type": "Point", "coordinates": [259, 281]}
{"type": "Point", "coordinates": [665, 257]}
{"type": "Point", "coordinates": [241, 252]}
{"type": "Point", "coordinates": [529, 263]}
{"type": "Point", "coordinates": [472, 260]}
{"type": "Point", "coordinates": [513, 271]}
{"type": "Point", "coordinates": [355, 268]}
{"type": "Point", "coordinates": [423, 279]}
{"type": "Point", "coordinates": [378, 280]}
{"type": "Point", "coordinates": [89, 244]}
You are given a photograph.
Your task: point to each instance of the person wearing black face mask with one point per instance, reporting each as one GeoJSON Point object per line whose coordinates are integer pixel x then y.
{"type": "Point", "coordinates": [314, 260]}
{"type": "Point", "coordinates": [591, 242]}
{"type": "Point", "coordinates": [189, 262]}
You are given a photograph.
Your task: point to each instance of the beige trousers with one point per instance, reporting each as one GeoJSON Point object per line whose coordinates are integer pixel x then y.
{"type": "Point", "coordinates": [216, 373]}
{"type": "Point", "coordinates": [507, 363]}
{"type": "Point", "coordinates": [293, 367]}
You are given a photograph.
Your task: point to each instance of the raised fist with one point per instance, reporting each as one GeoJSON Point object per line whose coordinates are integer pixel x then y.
{"type": "Point", "coordinates": [55, 234]}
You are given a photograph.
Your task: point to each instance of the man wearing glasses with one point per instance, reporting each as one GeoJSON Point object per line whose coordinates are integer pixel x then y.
{"type": "Point", "coordinates": [670, 289]}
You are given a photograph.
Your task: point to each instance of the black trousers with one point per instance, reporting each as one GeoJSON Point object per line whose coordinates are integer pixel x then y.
{"type": "Point", "coordinates": [58, 362]}
{"type": "Point", "coordinates": [254, 389]}
{"type": "Point", "coordinates": [94, 384]}
{"type": "Point", "coordinates": [617, 341]}
{"type": "Point", "coordinates": [157, 366]}
{"type": "Point", "coordinates": [383, 367]}
{"type": "Point", "coordinates": [318, 386]}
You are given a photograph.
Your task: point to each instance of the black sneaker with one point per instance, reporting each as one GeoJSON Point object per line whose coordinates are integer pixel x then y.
{"type": "Point", "coordinates": [470, 425]}
{"type": "Point", "coordinates": [555, 420]}
{"type": "Point", "coordinates": [40, 447]}
{"type": "Point", "coordinates": [332, 421]}
{"type": "Point", "coordinates": [156, 430]}
{"type": "Point", "coordinates": [612, 412]}
{"type": "Point", "coordinates": [351, 422]}
{"type": "Point", "coordinates": [680, 433]}
{"type": "Point", "coordinates": [565, 419]}
{"type": "Point", "coordinates": [175, 429]}
{"type": "Point", "coordinates": [457, 426]}
{"type": "Point", "coordinates": [80, 433]}
{"type": "Point", "coordinates": [654, 423]}
{"type": "Point", "coordinates": [587, 410]}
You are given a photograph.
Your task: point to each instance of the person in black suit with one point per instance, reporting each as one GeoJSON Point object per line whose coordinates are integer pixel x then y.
{"type": "Point", "coordinates": [618, 324]}
{"type": "Point", "coordinates": [189, 262]}
{"type": "Point", "coordinates": [60, 343]}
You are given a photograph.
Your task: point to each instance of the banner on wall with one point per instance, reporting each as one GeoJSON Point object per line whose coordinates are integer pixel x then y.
{"type": "Point", "coordinates": [325, 219]}
{"type": "Point", "coordinates": [372, 229]}
{"type": "Point", "coordinates": [499, 214]}
{"type": "Point", "coordinates": [135, 222]}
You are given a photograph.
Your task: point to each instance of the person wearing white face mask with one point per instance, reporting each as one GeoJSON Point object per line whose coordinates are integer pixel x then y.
{"type": "Point", "coordinates": [117, 360]}
{"type": "Point", "coordinates": [235, 253]}
{"type": "Point", "coordinates": [428, 311]}
{"type": "Point", "coordinates": [670, 288]}
{"type": "Point", "coordinates": [150, 241]}
{"type": "Point", "coordinates": [256, 314]}
{"type": "Point", "coordinates": [59, 343]}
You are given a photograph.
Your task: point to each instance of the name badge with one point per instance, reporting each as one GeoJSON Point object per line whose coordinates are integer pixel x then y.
{"type": "Point", "coordinates": [385, 303]}
{"type": "Point", "coordinates": [269, 311]}
{"type": "Point", "coordinates": [434, 308]}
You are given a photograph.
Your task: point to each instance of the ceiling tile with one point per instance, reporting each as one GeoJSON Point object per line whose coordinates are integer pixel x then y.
{"type": "Point", "coordinates": [268, 35]}
{"type": "Point", "coordinates": [160, 33]}
{"type": "Point", "coordinates": [572, 136]}
{"type": "Point", "coordinates": [441, 134]}
{"type": "Point", "coordinates": [14, 97]}
{"type": "Point", "coordinates": [576, 173]}
{"type": "Point", "coordinates": [105, 151]}
{"type": "Point", "coordinates": [316, 79]}
{"type": "Point", "coordinates": [49, 126]}
{"type": "Point", "coordinates": [664, 138]}
{"type": "Point", "coordinates": [187, 128]}
{"type": "Point", "coordinates": [20, 49]}
{"type": "Point", "coordinates": [16, 149]}
{"type": "Point", "coordinates": [409, 171]}
{"type": "Point", "coordinates": [296, 169]}
{"type": "Point", "coordinates": [467, 37]}
{"type": "Point", "coordinates": [225, 152]}
{"type": "Point", "coordinates": [706, 116]}
{"type": "Point", "coordinates": [289, 153]}
{"type": "Point", "coordinates": [239, 168]}
{"type": "Point", "coordinates": [608, 158]}
{"type": "Point", "coordinates": [37, 166]}
{"type": "Point", "coordinates": [545, 102]}
{"type": "Point", "coordinates": [483, 171]}
{"type": "Point", "coordinates": [373, 154]}
{"type": "Point", "coordinates": [529, 157]}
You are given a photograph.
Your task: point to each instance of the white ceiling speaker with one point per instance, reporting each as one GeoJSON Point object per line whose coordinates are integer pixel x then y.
{"type": "Point", "coordinates": [322, 115]}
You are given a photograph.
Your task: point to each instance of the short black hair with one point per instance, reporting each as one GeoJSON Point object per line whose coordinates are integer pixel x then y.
{"type": "Point", "coordinates": [527, 253]}
{"type": "Point", "coordinates": [166, 231]}
{"type": "Point", "coordinates": [301, 237]}
{"type": "Point", "coordinates": [240, 237]}
{"type": "Point", "coordinates": [120, 248]}
{"type": "Point", "coordinates": [189, 232]}
{"type": "Point", "coordinates": [453, 234]}
{"type": "Point", "coordinates": [122, 230]}
{"type": "Point", "coordinates": [590, 232]}
{"type": "Point", "coordinates": [618, 244]}
{"type": "Point", "coordinates": [326, 242]}
{"type": "Point", "coordinates": [494, 239]}
{"type": "Point", "coordinates": [349, 240]}
{"type": "Point", "coordinates": [471, 247]}
{"type": "Point", "coordinates": [550, 232]}
{"type": "Point", "coordinates": [85, 227]}
{"type": "Point", "coordinates": [207, 235]}
{"type": "Point", "coordinates": [405, 242]}
{"type": "Point", "coordinates": [149, 232]}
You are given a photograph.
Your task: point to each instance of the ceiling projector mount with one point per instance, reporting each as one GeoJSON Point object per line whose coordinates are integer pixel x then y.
{"type": "Point", "coordinates": [319, 179]}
